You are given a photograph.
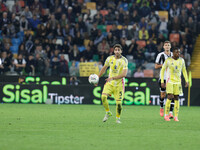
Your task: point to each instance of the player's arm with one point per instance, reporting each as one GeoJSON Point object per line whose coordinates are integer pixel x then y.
{"type": "Point", "coordinates": [122, 75]}
{"type": "Point", "coordinates": [102, 71]}
{"type": "Point", "coordinates": [185, 75]}
{"type": "Point", "coordinates": [162, 73]}
{"type": "Point", "coordinates": [157, 66]}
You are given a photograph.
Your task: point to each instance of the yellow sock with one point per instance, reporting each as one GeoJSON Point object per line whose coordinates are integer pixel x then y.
{"type": "Point", "coordinates": [167, 106]}
{"type": "Point", "coordinates": [118, 108]}
{"type": "Point", "coordinates": [176, 108]}
{"type": "Point", "coordinates": [105, 102]}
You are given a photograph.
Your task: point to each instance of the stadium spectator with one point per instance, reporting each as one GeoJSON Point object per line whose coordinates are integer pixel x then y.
{"type": "Point", "coordinates": [5, 63]}
{"type": "Point", "coordinates": [27, 13]}
{"type": "Point", "coordinates": [139, 73]}
{"type": "Point", "coordinates": [30, 65]}
{"type": "Point", "coordinates": [19, 64]}
{"type": "Point", "coordinates": [143, 34]}
{"type": "Point", "coordinates": [63, 66]}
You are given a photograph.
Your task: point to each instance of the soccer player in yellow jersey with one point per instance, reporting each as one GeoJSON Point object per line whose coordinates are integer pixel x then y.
{"type": "Point", "coordinates": [115, 82]}
{"type": "Point", "coordinates": [173, 66]}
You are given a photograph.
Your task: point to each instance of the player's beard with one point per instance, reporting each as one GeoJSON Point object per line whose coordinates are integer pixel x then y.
{"type": "Point", "coordinates": [117, 55]}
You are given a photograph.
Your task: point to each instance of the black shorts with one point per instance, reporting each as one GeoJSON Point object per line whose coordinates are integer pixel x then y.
{"type": "Point", "coordinates": [162, 89]}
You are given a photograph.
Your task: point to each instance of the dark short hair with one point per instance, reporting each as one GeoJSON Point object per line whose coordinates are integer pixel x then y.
{"type": "Point", "coordinates": [175, 48]}
{"type": "Point", "coordinates": [117, 45]}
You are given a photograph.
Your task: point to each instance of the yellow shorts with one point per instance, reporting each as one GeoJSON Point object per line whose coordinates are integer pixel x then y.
{"type": "Point", "coordinates": [117, 91]}
{"type": "Point", "coordinates": [175, 89]}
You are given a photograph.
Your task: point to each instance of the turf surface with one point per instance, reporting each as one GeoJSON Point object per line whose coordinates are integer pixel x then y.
{"type": "Point", "coordinates": [80, 127]}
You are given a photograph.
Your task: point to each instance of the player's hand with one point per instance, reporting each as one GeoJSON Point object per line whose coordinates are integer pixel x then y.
{"type": "Point", "coordinates": [186, 84]}
{"type": "Point", "coordinates": [109, 79]}
{"type": "Point", "coordinates": [163, 85]}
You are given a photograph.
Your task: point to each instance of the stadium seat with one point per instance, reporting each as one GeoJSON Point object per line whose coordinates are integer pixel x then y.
{"type": "Point", "coordinates": [108, 28]}
{"type": "Point", "coordinates": [91, 5]}
{"type": "Point", "coordinates": [174, 37]}
{"type": "Point", "coordinates": [93, 12]}
{"type": "Point", "coordinates": [81, 48]}
{"type": "Point", "coordinates": [131, 67]}
{"type": "Point", "coordinates": [14, 49]}
{"type": "Point", "coordinates": [86, 42]}
{"type": "Point", "coordinates": [103, 12]}
{"type": "Point", "coordinates": [59, 41]}
{"type": "Point", "coordinates": [10, 4]}
{"type": "Point", "coordinates": [20, 34]}
{"type": "Point", "coordinates": [80, 1]}
{"type": "Point", "coordinates": [141, 43]}
{"type": "Point", "coordinates": [21, 3]}
{"type": "Point", "coordinates": [102, 28]}
{"type": "Point", "coordinates": [130, 27]}
{"type": "Point", "coordinates": [16, 41]}
{"type": "Point", "coordinates": [69, 64]}
{"type": "Point", "coordinates": [148, 73]}
{"type": "Point", "coordinates": [189, 6]}
{"type": "Point", "coordinates": [105, 34]}
{"type": "Point", "coordinates": [95, 57]}
{"type": "Point", "coordinates": [163, 14]}
{"type": "Point", "coordinates": [119, 27]}
{"type": "Point", "coordinates": [128, 42]}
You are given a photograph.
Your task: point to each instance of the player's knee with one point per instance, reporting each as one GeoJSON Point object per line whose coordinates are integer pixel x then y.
{"type": "Point", "coordinates": [163, 95]}
{"type": "Point", "coordinates": [176, 97]}
{"type": "Point", "coordinates": [170, 96]}
{"type": "Point", "coordinates": [103, 97]}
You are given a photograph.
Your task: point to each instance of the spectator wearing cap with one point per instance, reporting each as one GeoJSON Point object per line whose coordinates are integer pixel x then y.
{"type": "Point", "coordinates": [70, 15]}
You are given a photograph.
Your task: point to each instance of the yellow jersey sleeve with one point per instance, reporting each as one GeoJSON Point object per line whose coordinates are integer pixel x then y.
{"type": "Point", "coordinates": [165, 65]}
{"type": "Point", "coordinates": [125, 63]}
{"type": "Point", "coordinates": [107, 62]}
{"type": "Point", "coordinates": [184, 71]}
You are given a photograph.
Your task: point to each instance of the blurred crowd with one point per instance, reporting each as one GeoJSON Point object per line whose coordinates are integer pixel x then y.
{"type": "Point", "coordinates": [51, 37]}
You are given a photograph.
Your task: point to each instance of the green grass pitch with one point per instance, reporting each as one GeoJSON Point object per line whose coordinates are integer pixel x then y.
{"type": "Point", "coordinates": [80, 127]}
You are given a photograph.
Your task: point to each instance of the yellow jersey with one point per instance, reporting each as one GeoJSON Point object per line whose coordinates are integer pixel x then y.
{"type": "Point", "coordinates": [116, 68]}
{"type": "Point", "coordinates": [173, 69]}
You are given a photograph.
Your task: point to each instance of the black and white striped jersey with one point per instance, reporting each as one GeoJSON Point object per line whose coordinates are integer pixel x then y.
{"type": "Point", "coordinates": [160, 59]}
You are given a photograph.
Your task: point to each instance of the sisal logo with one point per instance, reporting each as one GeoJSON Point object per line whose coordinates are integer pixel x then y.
{"type": "Point", "coordinates": [141, 96]}
{"type": "Point", "coordinates": [14, 94]}
{"type": "Point", "coordinates": [71, 99]}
